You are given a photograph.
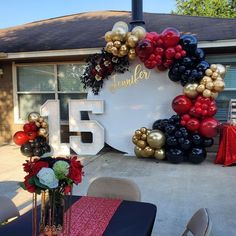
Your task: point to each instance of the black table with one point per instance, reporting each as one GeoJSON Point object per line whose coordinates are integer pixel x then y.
{"type": "Point", "coordinates": [130, 219]}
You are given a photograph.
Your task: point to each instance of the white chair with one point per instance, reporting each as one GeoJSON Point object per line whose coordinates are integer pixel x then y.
{"type": "Point", "coordinates": [117, 188]}
{"type": "Point", "coordinates": [200, 224]}
{"type": "Point", "coordinates": [7, 209]}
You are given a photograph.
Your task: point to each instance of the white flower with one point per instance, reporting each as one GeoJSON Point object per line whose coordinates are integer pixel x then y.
{"type": "Point", "coordinates": [47, 177]}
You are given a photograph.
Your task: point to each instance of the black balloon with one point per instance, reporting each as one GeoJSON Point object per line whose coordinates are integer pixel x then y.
{"type": "Point", "coordinates": [186, 145]}
{"type": "Point", "coordinates": [202, 66]}
{"type": "Point", "coordinates": [208, 142]}
{"type": "Point", "coordinates": [169, 129]}
{"type": "Point", "coordinates": [27, 150]}
{"type": "Point", "coordinates": [38, 151]}
{"type": "Point", "coordinates": [197, 139]}
{"type": "Point", "coordinates": [197, 155]}
{"type": "Point", "coordinates": [189, 43]}
{"type": "Point", "coordinates": [46, 148]}
{"type": "Point", "coordinates": [175, 155]}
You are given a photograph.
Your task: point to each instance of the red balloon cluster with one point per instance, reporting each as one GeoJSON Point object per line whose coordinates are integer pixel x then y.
{"type": "Point", "coordinates": [160, 50]}
{"type": "Point", "coordinates": [196, 115]}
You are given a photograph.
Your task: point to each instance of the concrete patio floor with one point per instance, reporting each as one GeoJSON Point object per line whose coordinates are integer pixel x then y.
{"type": "Point", "coordinates": [177, 190]}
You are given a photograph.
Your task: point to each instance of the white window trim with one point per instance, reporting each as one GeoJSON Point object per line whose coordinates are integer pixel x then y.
{"type": "Point", "coordinates": [17, 119]}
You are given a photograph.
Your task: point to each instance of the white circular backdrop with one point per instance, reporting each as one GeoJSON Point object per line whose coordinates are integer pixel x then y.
{"type": "Point", "coordinates": [135, 106]}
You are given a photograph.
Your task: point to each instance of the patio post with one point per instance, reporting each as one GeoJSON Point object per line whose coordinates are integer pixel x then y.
{"type": "Point", "coordinates": [137, 14]}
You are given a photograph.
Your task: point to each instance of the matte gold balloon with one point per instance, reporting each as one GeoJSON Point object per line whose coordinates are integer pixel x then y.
{"type": "Point", "coordinates": [121, 24]}
{"type": "Point", "coordinates": [143, 130]}
{"type": "Point", "coordinates": [139, 32]}
{"type": "Point", "coordinates": [43, 132]}
{"type": "Point", "coordinates": [142, 144]}
{"type": "Point", "coordinates": [190, 90]}
{"type": "Point", "coordinates": [33, 116]}
{"type": "Point", "coordinates": [138, 133]}
{"type": "Point", "coordinates": [147, 151]}
{"type": "Point", "coordinates": [108, 36]}
{"type": "Point", "coordinates": [160, 154]}
{"type": "Point", "coordinates": [123, 50]}
{"type": "Point", "coordinates": [206, 93]}
{"type": "Point", "coordinates": [210, 85]}
{"type": "Point", "coordinates": [214, 95]}
{"type": "Point", "coordinates": [201, 88]}
{"type": "Point", "coordinates": [138, 151]}
{"type": "Point", "coordinates": [221, 69]}
{"type": "Point", "coordinates": [135, 139]}
{"type": "Point", "coordinates": [132, 41]}
{"type": "Point", "coordinates": [219, 86]}
{"type": "Point", "coordinates": [156, 139]}
{"type": "Point", "coordinates": [208, 72]}
{"type": "Point", "coordinates": [213, 67]}
{"type": "Point", "coordinates": [44, 124]}
{"type": "Point", "coordinates": [117, 44]}
{"type": "Point", "coordinates": [118, 34]}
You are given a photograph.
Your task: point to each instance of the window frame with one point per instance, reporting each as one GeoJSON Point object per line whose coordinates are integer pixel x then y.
{"type": "Point", "coordinates": [56, 92]}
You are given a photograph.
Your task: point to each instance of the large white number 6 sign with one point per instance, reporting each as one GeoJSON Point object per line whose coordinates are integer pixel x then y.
{"type": "Point", "coordinates": [77, 125]}
{"type": "Point", "coordinates": [51, 109]}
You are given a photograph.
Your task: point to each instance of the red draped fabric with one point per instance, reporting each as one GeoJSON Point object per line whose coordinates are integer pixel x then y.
{"type": "Point", "coordinates": [227, 147]}
{"type": "Point", "coordinates": [89, 216]}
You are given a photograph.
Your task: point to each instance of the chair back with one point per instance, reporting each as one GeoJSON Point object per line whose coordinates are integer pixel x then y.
{"type": "Point", "coordinates": [7, 209]}
{"type": "Point", "coordinates": [117, 188]}
{"type": "Point", "coordinates": [200, 224]}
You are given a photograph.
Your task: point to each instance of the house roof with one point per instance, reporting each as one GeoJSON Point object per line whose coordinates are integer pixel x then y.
{"type": "Point", "coordinates": [86, 30]}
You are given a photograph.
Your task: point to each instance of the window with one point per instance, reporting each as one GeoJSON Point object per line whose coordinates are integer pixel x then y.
{"type": "Point", "coordinates": [35, 84]}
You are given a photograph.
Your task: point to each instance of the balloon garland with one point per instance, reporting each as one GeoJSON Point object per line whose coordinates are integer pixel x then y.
{"type": "Point", "coordinates": [34, 137]}
{"type": "Point", "coordinates": [185, 135]}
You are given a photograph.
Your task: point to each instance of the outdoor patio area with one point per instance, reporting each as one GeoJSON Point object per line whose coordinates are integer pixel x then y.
{"type": "Point", "coordinates": [177, 190]}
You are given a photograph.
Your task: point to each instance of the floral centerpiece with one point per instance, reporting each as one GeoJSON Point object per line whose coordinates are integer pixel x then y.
{"type": "Point", "coordinates": [53, 178]}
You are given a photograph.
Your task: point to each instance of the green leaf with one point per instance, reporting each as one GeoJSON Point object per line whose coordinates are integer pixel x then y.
{"type": "Point", "coordinates": [22, 185]}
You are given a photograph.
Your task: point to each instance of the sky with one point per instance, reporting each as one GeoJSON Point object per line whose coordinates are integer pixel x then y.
{"type": "Point", "coordinates": [17, 12]}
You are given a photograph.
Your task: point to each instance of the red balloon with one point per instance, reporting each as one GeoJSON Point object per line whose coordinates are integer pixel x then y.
{"type": "Point", "coordinates": [144, 48]}
{"type": "Point", "coordinates": [181, 104]}
{"type": "Point", "coordinates": [193, 124]}
{"type": "Point", "coordinates": [171, 37]}
{"type": "Point", "coordinates": [32, 135]}
{"type": "Point", "coordinates": [20, 138]}
{"type": "Point", "coordinates": [209, 127]}
{"type": "Point", "coordinates": [27, 127]}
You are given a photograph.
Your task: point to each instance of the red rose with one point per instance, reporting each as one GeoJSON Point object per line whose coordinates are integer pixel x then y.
{"type": "Point", "coordinates": [37, 167]}
{"type": "Point", "coordinates": [75, 170]}
{"type": "Point", "coordinates": [67, 190]}
{"type": "Point", "coordinates": [29, 187]}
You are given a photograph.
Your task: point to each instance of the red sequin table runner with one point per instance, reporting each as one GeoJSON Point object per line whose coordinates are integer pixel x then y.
{"type": "Point", "coordinates": [90, 216]}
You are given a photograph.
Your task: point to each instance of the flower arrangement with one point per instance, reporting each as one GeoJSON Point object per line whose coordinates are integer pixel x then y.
{"type": "Point", "coordinates": [50, 173]}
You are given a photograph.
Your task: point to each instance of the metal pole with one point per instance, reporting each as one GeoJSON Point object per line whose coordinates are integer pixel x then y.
{"type": "Point", "coordinates": [137, 14]}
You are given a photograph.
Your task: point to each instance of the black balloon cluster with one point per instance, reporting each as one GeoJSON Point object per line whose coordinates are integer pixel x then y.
{"type": "Point", "coordinates": [191, 68]}
{"type": "Point", "coordinates": [37, 147]}
{"type": "Point", "coordinates": [181, 145]}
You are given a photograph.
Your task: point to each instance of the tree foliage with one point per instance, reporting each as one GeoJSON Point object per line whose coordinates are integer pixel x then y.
{"type": "Point", "coordinates": [212, 8]}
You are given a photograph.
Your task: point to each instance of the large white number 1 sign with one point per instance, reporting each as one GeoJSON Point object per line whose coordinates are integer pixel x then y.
{"type": "Point", "coordinates": [51, 109]}
{"type": "Point", "coordinates": [76, 125]}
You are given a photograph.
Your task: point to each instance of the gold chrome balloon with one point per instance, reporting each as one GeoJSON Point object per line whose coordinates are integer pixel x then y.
{"type": "Point", "coordinates": [147, 151]}
{"type": "Point", "coordinates": [206, 93]}
{"type": "Point", "coordinates": [117, 44]}
{"type": "Point", "coordinates": [131, 56]}
{"type": "Point", "coordinates": [139, 32]}
{"type": "Point", "coordinates": [135, 139]}
{"type": "Point", "coordinates": [143, 130]}
{"type": "Point", "coordinates": [138, 151]}
{"type": "Point", "coordinates": [33, 117]}
{"type": "Point", "coordinates": [208, 72]}
{"type": "Point", "coordinates": [142, 144]}
{"type": "Point", "coordinates": [213, 67]}
{"type": "Point", "coordinates": [44, 124]}
{"type": "Point", "coordinates": [108, 36]}
{"type": "Point", "coordinates": [41, 119]}
{"type": "Point", "coordinates": [123, 50]}
{"type": "Point", "coordinates": [43, 132]}
{"type": "Point", "coordinates": [221, 69]}
{"type": "Point", "coordinates": [210, 85]}
{"type": "Point", "coordinates": [159, 154]}
{"type": "Point", "coordinates": [190, 90]}
{"type": "Point", "coordinates": [138, 133]}
{"type": "Point", "coordinates": [156, 139]}
{"type": "Point", "coordinates": [215, 75]}
{"type": "Point", "coordinates": [144, 137]}
{"type": "Point", "coordinates": [114, 51]}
